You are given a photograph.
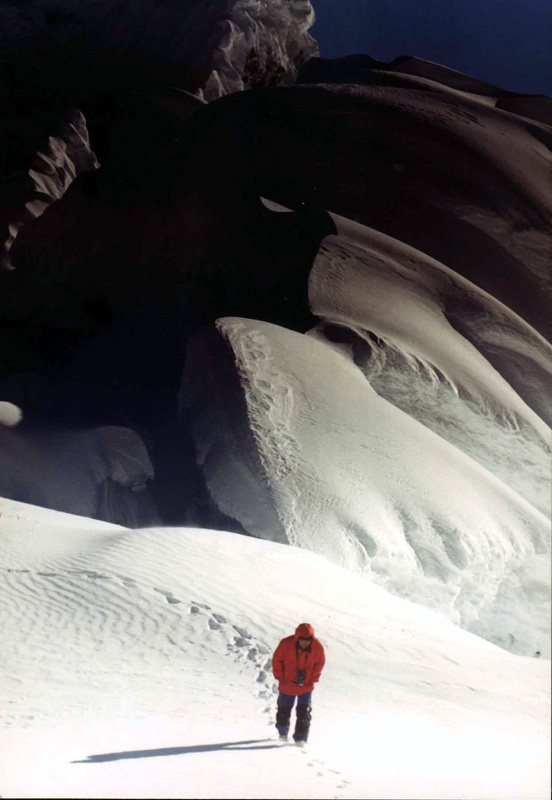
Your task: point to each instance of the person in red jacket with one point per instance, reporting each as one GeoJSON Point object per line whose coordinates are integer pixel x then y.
{"type": "Point", "coordinates": [297, 664]}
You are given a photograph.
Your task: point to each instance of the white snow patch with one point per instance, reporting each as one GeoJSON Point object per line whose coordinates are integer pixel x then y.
{"type": "Point", "coordinates": [136, 664]}
{"type": "Point", "coordinates": [10, 414]}
{"type": "Point", "coordinates": [357, 480]}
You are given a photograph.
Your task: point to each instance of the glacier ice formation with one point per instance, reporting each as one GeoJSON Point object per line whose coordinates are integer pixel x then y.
{"type": "Point", "coordinates": [348, 278]}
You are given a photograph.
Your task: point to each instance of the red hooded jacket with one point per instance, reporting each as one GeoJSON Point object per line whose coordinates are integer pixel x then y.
{"type": "Point", "coordinates": [288, 658]}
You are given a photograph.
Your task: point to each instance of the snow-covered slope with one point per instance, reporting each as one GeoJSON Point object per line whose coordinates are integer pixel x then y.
{"type": "Point", "coordinates": [442, 349]}
{"type": "Point", "coordinates": [411, 72]}
{"type": "Point", "coordinates": [136, 664]}
{"type": "Point", "coordinates": [351, 476]}
{"type": "Point", "coordinates": [393, 419]}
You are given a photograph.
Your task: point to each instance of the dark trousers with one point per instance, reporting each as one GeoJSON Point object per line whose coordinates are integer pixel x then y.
{"type": "Point", "coordinates": [304, 712]}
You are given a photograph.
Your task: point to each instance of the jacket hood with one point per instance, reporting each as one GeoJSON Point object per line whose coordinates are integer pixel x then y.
{"type": "Point", "coordinates": [305, 630]}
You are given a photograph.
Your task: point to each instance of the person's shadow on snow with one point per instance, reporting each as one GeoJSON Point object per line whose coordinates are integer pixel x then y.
{"type": "Point", "coordinates": [248, 744]}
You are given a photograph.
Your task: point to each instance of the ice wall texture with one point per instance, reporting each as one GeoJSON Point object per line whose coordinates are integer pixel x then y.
{"type": "Point", "coordinates": [406, 436]}
{"type": "Point", "coordinates": [444, 171]}
{"type": "Point", "coordinates": [353, 477]}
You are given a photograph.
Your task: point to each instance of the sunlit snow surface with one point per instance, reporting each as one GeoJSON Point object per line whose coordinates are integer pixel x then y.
{"type": "Point", "coordinates": [135, 664]}
{"type": "Point", "coordinates": [387, 441]}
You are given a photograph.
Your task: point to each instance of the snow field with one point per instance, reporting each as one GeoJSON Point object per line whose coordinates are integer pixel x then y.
{"type": "Point", "coordinates": [136, 666]}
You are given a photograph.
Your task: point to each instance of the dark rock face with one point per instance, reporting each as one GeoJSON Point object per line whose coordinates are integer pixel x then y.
{"type": "Point", "coordinates": [191, 212]}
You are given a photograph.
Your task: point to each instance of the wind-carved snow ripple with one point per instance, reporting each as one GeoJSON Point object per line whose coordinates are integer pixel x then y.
{"type": "Point", "coordinates": [86, 609]}
{"type": "Point", "coordinates": [270, 407]}
{"type": "Point", "coordinates": [108, 622]}
{"type": "Point", "coordinates": [242, 646]}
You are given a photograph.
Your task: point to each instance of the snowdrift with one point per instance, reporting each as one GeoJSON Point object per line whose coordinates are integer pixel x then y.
{"type": "Point", "coordinates": [354, 478]}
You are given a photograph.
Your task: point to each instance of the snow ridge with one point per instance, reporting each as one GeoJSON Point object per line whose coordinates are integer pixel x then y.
{"type": "Point", "coordinates": [270, 407]}
{"type": "Point", "coordinates": [352, 279]}
{"type": "Point", "coordinates": [375, 490]}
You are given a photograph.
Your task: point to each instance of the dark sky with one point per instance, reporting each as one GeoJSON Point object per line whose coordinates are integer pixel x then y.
{"type": "Point", "coordinates": [506, 42]}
